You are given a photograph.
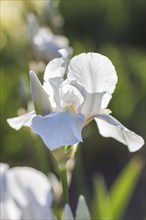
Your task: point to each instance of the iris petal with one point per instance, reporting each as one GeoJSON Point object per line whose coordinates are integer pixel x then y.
{"type": "Point", "coordinates": [91, 103]}
{"type": "Point", "coordinates": [94, 72]}
{"type": "Point", "coordinates": [56, 67]}
{"type": "Point", "coordinates": [70, 95]}
{"type": "Point", "coordinates": [39, 96]}
{"type": "Point", "coordinates": [53, 77]}
{"type": "Point", "coordinates": [59, 129]}
{"type": "Point", "coordinates": [111, 127]}
{"type": "Point", "coordinates": [23, 199]}
{"type": "Point", "coordinates": [23, 120]}
{"type": "Point", "coordinates": [16, 178]}
{"type": "Point", "coordinates": [9, 210]}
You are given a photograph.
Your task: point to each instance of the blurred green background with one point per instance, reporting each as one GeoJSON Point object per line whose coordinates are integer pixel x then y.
{"type": "Point", "coordinates": [113, 28]}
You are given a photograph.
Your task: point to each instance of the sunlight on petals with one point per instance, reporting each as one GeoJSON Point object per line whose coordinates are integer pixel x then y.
{"type": "Point", "coordinates": [70, 95]}
{"type": "Point", "coordinates": [22, 120]}
{"type": "Point", "coordinates": [23, 199]}
{"type": "Point", "coordinates": [39, 96]}
{"type": "Point", "coordinates": [111, 127]}
{"type": "Point", "coordinates": [59, 129]}
{"type": "Point", "coordinates": [94, 72]}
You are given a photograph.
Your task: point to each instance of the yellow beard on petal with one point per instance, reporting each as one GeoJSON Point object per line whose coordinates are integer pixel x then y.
{"type": "Point", "coordinates": [70, 108]}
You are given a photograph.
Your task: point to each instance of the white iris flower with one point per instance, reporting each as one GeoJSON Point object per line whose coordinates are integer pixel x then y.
{"type": "Point", "coordinates": [44, 42]}
{"type": "Point", "coordinates": [25, 194]}
{"type": "Point", "coordinates": [64, 106]}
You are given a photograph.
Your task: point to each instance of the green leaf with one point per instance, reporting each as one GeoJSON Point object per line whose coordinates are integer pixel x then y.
{"type": "Point", "coordinates": [101, 207]}
{"type": "Point", "coordinates": [123, 188]}
{"type": "Point", "coordinates": [82, 211]}
{"type": "Point", "coordinates": [67, 147]}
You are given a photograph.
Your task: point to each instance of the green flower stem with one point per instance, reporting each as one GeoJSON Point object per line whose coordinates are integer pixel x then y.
{"type": "Point", "coordinates": [63, 176]}
{"type": "Point", "coordinates": [62, 155]}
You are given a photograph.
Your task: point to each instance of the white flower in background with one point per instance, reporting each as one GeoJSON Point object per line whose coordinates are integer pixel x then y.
{"type": "Point", "coordinates": [64, 106]}
{"type": "Point", "coordinates": [81, 213]}
{"type": "Point", "coordinates": [25, 194]}
{"type": "Point", "coordinates": [44, 43]}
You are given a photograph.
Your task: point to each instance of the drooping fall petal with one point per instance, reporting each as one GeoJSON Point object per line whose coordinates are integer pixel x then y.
{"type": "Point", "coordinates": [111, 127]}
{"type": "Point", "coordinates": [22, 120]}
{"type": "Point", "coordinates": [59, 128]}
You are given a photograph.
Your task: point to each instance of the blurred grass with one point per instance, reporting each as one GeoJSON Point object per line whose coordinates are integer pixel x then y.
{"type": "Point", "coordinates": [111, 204]}
{"type": "Point", "coordinates": [124, 186]}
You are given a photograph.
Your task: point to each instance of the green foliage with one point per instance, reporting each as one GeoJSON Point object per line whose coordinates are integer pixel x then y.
{"type": "Point", "coordinates": [112, 204]}
{"type": "Point", "coordinates": [124, 186]}
{"type": "Point", "coordinates": [101, 207]}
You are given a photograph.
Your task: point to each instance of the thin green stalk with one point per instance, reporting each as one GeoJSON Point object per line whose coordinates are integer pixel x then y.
{"type": "Point", "coordinates": [63, 176]}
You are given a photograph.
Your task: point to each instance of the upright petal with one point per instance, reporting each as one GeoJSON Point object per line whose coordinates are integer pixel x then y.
{"type": "Point", "coordinates": [70, 96]}
{"type": "Point", "coordinates": [53, 77]}
{"type": "Point", "coordinates": [59, 129]}
{"type": "Point", "coordinates": [105, 100]}
{"type": "Point", "coordinates": [94, 72]}
{"type": "Point", "coordinates": [39, 96]}
{"type": "Point", "coordinates": [110, 127]}
{"type": "Point", "coordinates": [64, 53]}
{"type": "Point", "coordinates": [22, 120]}
{"type": "Point", "coordinates": [91, 103]}
{"type": "Point", "coordinates": [55, 84]}
{"type": "Point", "coordinates": [57, 67]}
{"type": "Point", "coordinates": [49, 90]}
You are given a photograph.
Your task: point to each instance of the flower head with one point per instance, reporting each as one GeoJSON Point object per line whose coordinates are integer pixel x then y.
{"type": "Point", "coordinates": [64, 106]}
{"type": "Point", "coordinates": [44, 43]}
